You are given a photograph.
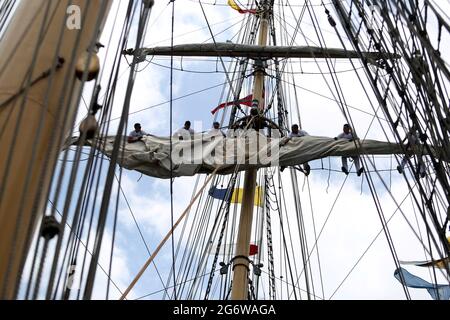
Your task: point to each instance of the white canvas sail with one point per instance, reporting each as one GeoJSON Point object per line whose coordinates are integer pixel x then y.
{"type": "Point", "coordinates": [151, 156]}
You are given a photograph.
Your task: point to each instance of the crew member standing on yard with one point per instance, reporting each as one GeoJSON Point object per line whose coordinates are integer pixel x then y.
{"type": "Point", "coordinates": [216, 131]}
{"type": "Point", "coordinates": [136, 134]}
{"type": "Point", "coordinates": [185, 132]}
{"type": "Point", "coordinates": [297, 132]}
{"type": "Point", "coordinates": [413, 140]}
{"type": "Point", "coordinates": [348, 134]}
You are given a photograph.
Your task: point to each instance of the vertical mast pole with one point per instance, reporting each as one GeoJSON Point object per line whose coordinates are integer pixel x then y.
{"type": "Point", "coordinates": [31, 119]}
{"type": "Point", "coordinates": [240, 261]}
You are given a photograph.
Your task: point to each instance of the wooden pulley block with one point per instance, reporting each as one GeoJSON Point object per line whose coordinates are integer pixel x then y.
{"type": "Point", "coordinates": [93, 68]}
{"type": "Point", "coordinates": [89, 126]}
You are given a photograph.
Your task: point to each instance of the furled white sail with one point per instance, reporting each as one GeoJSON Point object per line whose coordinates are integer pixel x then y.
{"type": "Point", "coordinates": [151, 155]}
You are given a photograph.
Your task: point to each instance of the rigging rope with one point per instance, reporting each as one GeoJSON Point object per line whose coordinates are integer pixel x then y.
{"type": "Point", "coordinates": [109, 181]}
{"type": "Point", "coordinates": [169, 234]}
{"type": "Point", "coordinates": [170, 149]}
{"type": "Point", "coordinates": [369, 246]}
{"type": "Point", "coordinates": [404, 97]}
{"type": "Point", "coordinates": [416, 96]}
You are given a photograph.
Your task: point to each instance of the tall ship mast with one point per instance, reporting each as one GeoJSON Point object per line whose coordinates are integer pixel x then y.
{"type": "Point", "coordinates": [328, 159]}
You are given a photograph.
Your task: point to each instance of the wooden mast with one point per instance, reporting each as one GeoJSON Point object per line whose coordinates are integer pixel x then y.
{"type": "Point", "coordinates": [32, 119]}
{"type": "Point", "coordinates": [241, 262]}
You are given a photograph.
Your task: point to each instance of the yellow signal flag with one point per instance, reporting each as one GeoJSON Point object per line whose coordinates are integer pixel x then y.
{"type": "Point", "coordinates": [234, 5]}
{"type": "Point", "coordinates": [238, 192]}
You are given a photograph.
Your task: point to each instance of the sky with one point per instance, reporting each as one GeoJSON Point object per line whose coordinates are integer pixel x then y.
{"type": "Point", "coordinates": [339, 212]}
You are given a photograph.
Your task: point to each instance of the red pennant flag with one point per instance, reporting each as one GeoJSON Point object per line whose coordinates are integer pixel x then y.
{"type": "Point", "coordinates": [247, 101]}
{"type": "Point", "coordinates": [253, 249]}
